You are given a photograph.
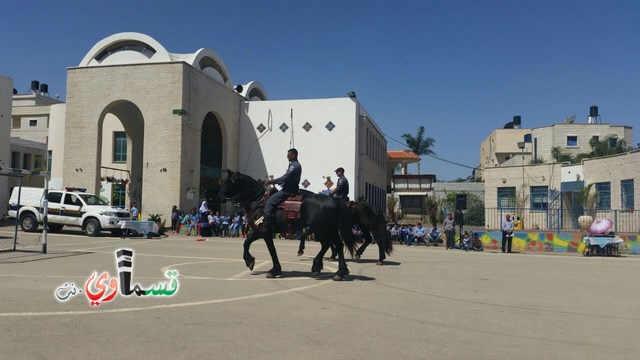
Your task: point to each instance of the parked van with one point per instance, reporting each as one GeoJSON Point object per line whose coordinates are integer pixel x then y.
{"type": "Point", "coordinates": [69, 207]}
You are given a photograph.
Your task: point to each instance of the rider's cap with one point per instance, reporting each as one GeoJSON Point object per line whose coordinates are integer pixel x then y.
{"type": "Point", "coordinates": [339, 169]}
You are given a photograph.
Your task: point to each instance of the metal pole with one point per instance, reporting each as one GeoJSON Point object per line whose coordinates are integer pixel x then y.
{"type": "Point", "coordinates": [15, 232]}
{"type": "Point", "coordinates": [45, 213]}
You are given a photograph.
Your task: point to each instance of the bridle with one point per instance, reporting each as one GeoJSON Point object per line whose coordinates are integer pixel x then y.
{"type": "Point", "coordinates": [238, 198]}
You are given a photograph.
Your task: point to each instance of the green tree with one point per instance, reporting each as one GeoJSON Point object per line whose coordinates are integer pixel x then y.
{"type": "Point", "coordinates": [559, 156]}
{"type": "Point", "coordinates": [431, 208]}
{"type": "Point", "coordinates": [608, 146]}
{"type": "Point", "coordinates": [420, 144]}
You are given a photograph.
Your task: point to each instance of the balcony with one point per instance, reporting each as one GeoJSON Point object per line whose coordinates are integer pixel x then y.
{"type": "Point", "coordinates": [421, 183]}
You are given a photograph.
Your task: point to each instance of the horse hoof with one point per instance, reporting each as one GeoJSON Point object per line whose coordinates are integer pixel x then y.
{"type": "Point", "coordinates": [250, 263]}
{"type": "Point", "coordinates": [274, 273]}
{"type": "Point", "coordinates": [380, 263]}
{"type": "Point", "coordinates": [337, 277]}
{"type": "Point", "coordinates": [315, 274]}
{"type": "Point", "coordinates": [357, 257]}
{"type": "Point", "coordinates": [300, 253]}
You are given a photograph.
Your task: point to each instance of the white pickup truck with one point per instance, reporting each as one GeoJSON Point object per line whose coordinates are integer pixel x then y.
{"type": "Point", "coordinates": [70, 207]}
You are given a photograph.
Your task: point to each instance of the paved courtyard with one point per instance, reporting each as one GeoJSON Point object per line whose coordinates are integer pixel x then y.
{"type": "Point", "coordinates": [427, 303]}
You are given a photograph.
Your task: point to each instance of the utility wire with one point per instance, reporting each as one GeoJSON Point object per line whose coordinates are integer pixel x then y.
{"type": "Point", "coordinates": [433, 156]}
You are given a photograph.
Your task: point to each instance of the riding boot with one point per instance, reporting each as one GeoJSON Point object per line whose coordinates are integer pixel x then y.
{"type": "Point", "coordinates": [269, 224]}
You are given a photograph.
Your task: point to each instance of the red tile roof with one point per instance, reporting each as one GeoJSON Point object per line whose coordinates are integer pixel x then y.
{"type": "Point", "coordinates": [402, 155]}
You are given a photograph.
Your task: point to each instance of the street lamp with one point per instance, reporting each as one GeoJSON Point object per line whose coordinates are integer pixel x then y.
{"type": "Point", "coordinates": [521, 147]}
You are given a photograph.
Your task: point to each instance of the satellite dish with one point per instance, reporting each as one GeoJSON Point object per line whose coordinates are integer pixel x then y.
{"type": "Point", "coordinates": [570, 119]}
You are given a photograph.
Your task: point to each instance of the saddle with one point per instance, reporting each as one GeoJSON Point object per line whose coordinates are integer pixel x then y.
{"type": "Point", "coordinates": [290, 206]}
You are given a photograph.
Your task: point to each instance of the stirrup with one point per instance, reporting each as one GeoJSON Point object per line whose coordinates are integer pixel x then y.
{"type": "Point", "coordinates": [258, 221]}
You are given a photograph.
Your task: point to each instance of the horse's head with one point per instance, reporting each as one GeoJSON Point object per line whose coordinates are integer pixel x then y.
{"type": "Point", "coordinates": [239, 186]}
{"type": "Point", "coordinates": [229, 188]}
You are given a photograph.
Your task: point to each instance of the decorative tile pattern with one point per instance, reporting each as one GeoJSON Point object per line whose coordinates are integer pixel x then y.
{"type": "Point", "coordinates": [330, 126]}
{"type": "Point", "coordinates": [284, 127]}
{"type": "Point", "coordinates": [307, 127]}
{"type": "Point", "coordinates": [261, 128]}
{"type": "Point", "coordinates": [306, 183]}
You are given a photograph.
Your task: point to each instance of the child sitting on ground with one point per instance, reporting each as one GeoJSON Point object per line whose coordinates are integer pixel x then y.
{"type": "Point", "coordinates": [466, 241]}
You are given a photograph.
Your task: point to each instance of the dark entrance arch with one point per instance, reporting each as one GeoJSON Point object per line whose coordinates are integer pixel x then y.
{"type": "Point", "coordinates": [211, 160]}
{"type": "Point", "coordinates": [132, 121]}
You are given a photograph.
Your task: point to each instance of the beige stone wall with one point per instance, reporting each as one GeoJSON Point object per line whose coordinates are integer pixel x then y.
{"type": "Point", "coordinates": [499, 144]}
{"type": "Point", "coordinates": [170, 141]}
{"type": "Point", "coordinates": [522, 178]}
{"type": "Point", "coordinates": [614, 169]}
{"type": "Point", "coordinates": [556, 135]}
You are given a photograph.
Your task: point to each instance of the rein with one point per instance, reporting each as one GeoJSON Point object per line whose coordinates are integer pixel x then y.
{"type": "Point", "coordinates": [238, 197]}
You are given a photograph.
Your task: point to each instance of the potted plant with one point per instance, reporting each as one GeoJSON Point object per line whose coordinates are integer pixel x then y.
{"type": "Point", "coordinates": [157, 218]}
{"type": "Point", "coordinates": [588, 201]}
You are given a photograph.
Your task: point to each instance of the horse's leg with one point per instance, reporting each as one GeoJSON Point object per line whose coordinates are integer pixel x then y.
{"type": "Point", "coordinates": [317, 261]}
{"type": "Point", "coordinates": [366, 234]}
{"type": "Point", "coordinates": [276, 270]}
{"type": "Point", "coordinates": [249, 260]}
{"type": "Point", "coordinates": [334, 254]}
{"type": "Point", "coordinates": [303, 238]}
{"type": "Point", "coordinates": [301, 247]}
{"type": "Point", "coordinates": [343, 271]}
{"type": "Point", "coordinates": [381, 254]}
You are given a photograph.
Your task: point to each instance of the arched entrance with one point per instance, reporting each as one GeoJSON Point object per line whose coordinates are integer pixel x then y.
{"type": "Point", "coordinates": [120, 160]}
{"type": "Point", "coordinates": [211, 160]}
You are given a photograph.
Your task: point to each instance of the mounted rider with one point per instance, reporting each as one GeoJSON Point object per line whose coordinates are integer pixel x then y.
{"type": "Point", "coordinates": [289, 183]}
{"type": "Point", "coordinates": [342, 187]}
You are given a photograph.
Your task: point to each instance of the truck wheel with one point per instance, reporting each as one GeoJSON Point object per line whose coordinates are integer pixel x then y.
{"type": "Point", "coordinates": [28, 223]}
{"type": "Point", "coordinates": [54, 228]}
{"type": "Point", "coordinates": [92, 228]}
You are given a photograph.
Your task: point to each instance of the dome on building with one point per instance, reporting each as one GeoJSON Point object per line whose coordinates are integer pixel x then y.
{"type": "Point", "coordinates": [136, 48]}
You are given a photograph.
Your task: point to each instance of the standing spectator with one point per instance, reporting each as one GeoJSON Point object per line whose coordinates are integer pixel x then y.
{"type": "Point", "coordinates": [449, 230]}
{"type": "Point", "coordinates": [224, 224]}
{"type": "Point", "coordinates": [184, 220]}
{"type": "Point", "coordinates": [174, 219]}
{"type": "Point", "coordinates": [476, 244]}
{"type": "Point", "coordinates": [434, 235]}
{"type": "Point", "coordinates": [204, 208]}
{"type": "Point", "coordinates": [135, 212]}
{"type": "Point", "coordinates": [507, 233]}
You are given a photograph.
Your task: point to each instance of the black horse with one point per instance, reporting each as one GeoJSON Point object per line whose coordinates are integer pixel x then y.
{"type": "Point", "coordinates": [363, 214]}
{"type": "Point", "coordinates": [321, 213]}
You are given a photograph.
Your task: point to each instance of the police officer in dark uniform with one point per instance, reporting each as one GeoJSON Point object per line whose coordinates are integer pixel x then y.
{"type": "Point", "coordinates": [289, 182]}
{"type": "Point", "coordinates": [342, 187]}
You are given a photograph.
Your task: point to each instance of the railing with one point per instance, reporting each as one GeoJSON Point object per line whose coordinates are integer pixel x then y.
{"type": "Point", "coordinates": [412, 182]}
{"type": "Point", "coordinates": [556, 220]}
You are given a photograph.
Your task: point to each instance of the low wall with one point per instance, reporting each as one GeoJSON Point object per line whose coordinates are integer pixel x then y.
{"type": "Point", "coordinates": [549, 242]}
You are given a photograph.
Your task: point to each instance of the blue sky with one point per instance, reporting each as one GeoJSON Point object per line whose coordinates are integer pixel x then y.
{"type": "Point", "coordinates": [460, 68]}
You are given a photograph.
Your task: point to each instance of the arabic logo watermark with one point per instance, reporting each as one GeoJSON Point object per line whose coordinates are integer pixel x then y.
{"type": "Point", "coordinates": [104, 288]}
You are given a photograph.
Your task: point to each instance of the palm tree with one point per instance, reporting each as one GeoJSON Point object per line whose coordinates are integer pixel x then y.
{"type": "Point", "coordinates": [420, 145]}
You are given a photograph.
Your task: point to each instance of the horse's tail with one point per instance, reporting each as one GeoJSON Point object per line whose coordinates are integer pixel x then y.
{"type": "Point", "coordinates": [346, 228]}
{"type": "Point", "coordinates": [384, 236]}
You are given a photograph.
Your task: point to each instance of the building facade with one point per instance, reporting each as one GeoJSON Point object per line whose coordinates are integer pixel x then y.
{"type": "Point", "coordinates": [518, 146]}
{"type": "Point", "coordinates": [161, 128]}
{"type": "Point", "coordinates": [6, 94]}
{"type": "Point", "coordinates": [546, 196]}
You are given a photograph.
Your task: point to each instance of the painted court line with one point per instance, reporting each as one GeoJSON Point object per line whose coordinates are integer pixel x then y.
{"type": "Point", "coordinates": [166, 306]}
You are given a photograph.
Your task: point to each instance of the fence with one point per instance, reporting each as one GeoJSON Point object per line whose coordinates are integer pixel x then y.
{"type": "Point", "coordinates": [624, 221]}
